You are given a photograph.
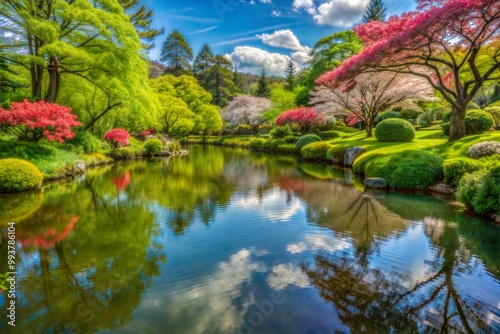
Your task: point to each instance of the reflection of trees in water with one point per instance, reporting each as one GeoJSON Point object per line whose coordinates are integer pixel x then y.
{"type": "Point", "coordinates": [94, 278]}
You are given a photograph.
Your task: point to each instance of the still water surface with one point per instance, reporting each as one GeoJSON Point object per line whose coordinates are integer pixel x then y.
{"type": "Point", "coordinates": [228, 241]}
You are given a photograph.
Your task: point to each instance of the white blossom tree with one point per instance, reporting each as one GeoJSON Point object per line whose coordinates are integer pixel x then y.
{"type": "Point", "coordinates": [247, 110]}
{"type": "Point", "coordinates": [368, 94]}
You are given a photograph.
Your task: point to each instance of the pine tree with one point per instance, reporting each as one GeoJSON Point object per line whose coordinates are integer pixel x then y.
{"type": "Point", "coordinates": [375, 11]}
{"type": "Point", "coordinates": [141, 18]}
{"type": "Point", "coordinates": [176, 54]}
{"type": "Point", "coordinates": [219, 81]}
{"type": "Point", "coordinates": [290, 75]}
{"type": "Point", "coordinates": [263, 89]}
{"type": "Point", "coordinates": [240, 80]}
{"type": "Point", "coordinates": [203, 63]}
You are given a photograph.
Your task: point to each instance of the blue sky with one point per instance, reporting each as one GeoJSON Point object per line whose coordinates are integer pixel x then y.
{"type": "Point", "coordinates": [256, 34]}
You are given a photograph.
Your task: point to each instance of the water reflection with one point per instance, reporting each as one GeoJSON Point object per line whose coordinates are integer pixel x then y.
{"type": "Point", "coordinates": [237, 227]}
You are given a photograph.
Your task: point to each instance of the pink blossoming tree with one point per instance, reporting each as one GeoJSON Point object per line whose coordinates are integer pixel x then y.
{"type": "Point", "coordinates": [117, 136]}
{"type": "Point", "coordinates": [305, 118]}
{"type": "Point", "coordinates": [368, 94]}
{"type": "Point", "coordinates": [453, 44]}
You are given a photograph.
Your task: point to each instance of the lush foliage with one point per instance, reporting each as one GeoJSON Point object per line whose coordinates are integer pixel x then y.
{"type": "Point", "coordinates": [478, 121]}
{"type": "Point", "coordinates": [87, 142]}
{"type": "Point", "coordinates": [305, 140]}
{"type": "Point", "coordinates": [153, 146]}
{"type": "Point", "coordinates": [315, 151]}
{"type": "Point", "coordinates": [395, 130]}
{"type": "Point", "coordinates": [484, 149]}
{"type": "Point", "coordinates": [337, 153]}
{"type": "Point", "coordinates": [448, 42]}
{"type": "Point", "coordinates": [118, 136]}
{"type": "Point", "coordinates": [176, 54]}
{"type": "Point", "coordinates": [481, 191]}
{"type": "Point", "coordinates": [407, 169]}
{"type": "Point", "coordinates": [18, 175]}
{"type": "Point", "coordinates": [455, 169]}
{"type": "Point", "coordinates": [280, 132]}
{"type": "Point", "coordinates": [33, 121]}
{"type": "Point", "coordinates": [328, 134]}
{"type": "Point", "coordinates": [305, 118]}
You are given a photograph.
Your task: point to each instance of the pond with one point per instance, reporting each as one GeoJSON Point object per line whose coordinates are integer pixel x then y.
{"type": "Point", "coordinates": [230, 241]}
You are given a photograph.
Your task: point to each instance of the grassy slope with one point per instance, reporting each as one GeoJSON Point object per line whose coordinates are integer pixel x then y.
{"type": "Point", "coordinates": [433, 141]}
{"type": "Point", "coordinates": [52, 162]}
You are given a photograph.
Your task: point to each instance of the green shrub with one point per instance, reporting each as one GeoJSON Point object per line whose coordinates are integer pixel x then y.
{"type": "Point", "coordinates": [426, 118]}
{"type": "Point", "coordinates": [277, 142]}
{"type": "Point", "coordinates": [455, 169]}
{"type": "Point", "coordinates": [134, 150]}
{"type": "Point", "coordinates": [315, 151]}
{"type": "Point", "coordinates": [18, 175]}
{"type": "Point", "coordinates": [153, 146]}
{"type": "Point", "coordinates": [88, 142]}
{"type": "Point", "coordinates": [410, 169]}
{"type": "Point", "coordinates": [306, 139]}
{"type": "Point", "coordinates": [286, 148]}
{"type": "Point", "coordinates": [411, 113]}
{"type": "Point", "coordinates": [395, 130]}
{"type": "Point", "coordinates": [290, 139]}
{"type": "Point", "coordinates": [390, 114]}
{"type": "Point", "coordinates": [328, 134]}
{"type": "Point", "coordinates": [481, 191]}
{"type": "Point", "coordinates": [344, 128]}
{"type": "Point", "coordinates": [336, 153]}
{"type": "Point", "coordinates": [280, 132]}
{"type": "Point", "coordinates": [478, 121]}
{"type": "Point", "coordinates": [446, 128]}
{"type": "Point", "coordinates": [257, 142]}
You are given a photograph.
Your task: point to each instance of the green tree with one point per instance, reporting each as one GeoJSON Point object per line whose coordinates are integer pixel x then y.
{"type": "Point", "coordinates": [141, 18]}
{"type": "Point", "coordinates": [263, 89]}
{"type": "Point", "coordinates": [240, 81]}
{"type": "Point", "coordinates": [281, 100]}
{"type": "Point", "coordinates": [375, 11]}
{"type": "Point", "coordinates": [290, 76]}
{"type": "Point", "coordinates": [176, 54]}
{"type": "Point", "coordinates": [219, 81]}
{"type": "Point", "coordinates": [203, 63]}
{"type": "Point", "coordinates": [329, 52]}
{"type": "Point", "coordinates": [53, 39]}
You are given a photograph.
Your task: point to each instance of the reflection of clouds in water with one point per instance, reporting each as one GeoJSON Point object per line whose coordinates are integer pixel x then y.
{"type": "Point", "coordinates": [272, 206]}
{"type": "Point", "coordinates": [283, 275]}
{"type": "Point", "coordinates": [318, 242]}
{"type": "Point", "coordinates": [211, 301]}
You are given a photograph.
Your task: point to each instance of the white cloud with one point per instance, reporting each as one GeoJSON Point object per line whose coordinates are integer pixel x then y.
{"type": "Point", "coordinates": [317, 242]}
{"type": "Point", "coordinates": [336, 13]}
{"type": "Point", "coordinates": [253, 60]}
{"type": "Point", "coordinates": [276, 13]}
{"type": "Point", "coordinates": [283, 39]}
{"type": "Point", "coordinates": [284, 275]}
{"type": "Point", "coordinates": [301, 56]}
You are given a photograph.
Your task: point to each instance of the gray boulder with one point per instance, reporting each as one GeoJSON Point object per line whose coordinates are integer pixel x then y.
{"type": "Point", "coordinates": [351, 154]}
{"type": "Point", "coordinates": [375, 183]}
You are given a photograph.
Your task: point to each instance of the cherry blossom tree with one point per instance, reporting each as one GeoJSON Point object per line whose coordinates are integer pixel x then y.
{"type": "Point", "coordinates": [247, 110]}
{"type": "Point", "coordinates": [305, 118]}
{"type": "Point", "coordinates": [117, 136]}
{"type": "Point", "coordinates": [368, 94]}
{"type": "Point", "coordinates": [31, 121]}
{"type": "Point", "coordinates": [453, 44]}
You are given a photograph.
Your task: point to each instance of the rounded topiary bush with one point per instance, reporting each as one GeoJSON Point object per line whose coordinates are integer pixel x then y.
{"type": "Point", "coordinates": [257, 142]}
{"type": "Point", "coordinates": [18, 175]}
{"type": "Point", "coordinates": [315, 151]}
{"type": "Point", "coordinates": [410, 169]}
{"type": "Point", "coordinates": [478, 121]}
{"type": "Point", "coordinates": [411, 113]}
{"type": "Point", "coordinates": [395, 130]}
{"type": "Point", "coordinates": [336, 153]}
{"type": "Point", "coordinates": [390, 114]}
{"type": "Point", "coordinates": [328, 134]}
{"type": "Point", "coordinates": [305, 140]}
{"type": "Point", "coordinates": [484, 149]}
{"type": "Point", "coordinates": [455, 169]}
{"type": "Point", "coordinates": [290, 139]}
{"type": "Point", "coordinates": [481, 191]}
{"type": "Point", "coordinates": [153, 146]}
{"type": "Point", "coordinates": [277, 142]}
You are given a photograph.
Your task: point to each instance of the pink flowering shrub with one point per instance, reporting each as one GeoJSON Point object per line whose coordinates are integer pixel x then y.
{"type": "Point", "coordinates": [117, 136]}
{"type": "Point", "coordinates": [305, 118]}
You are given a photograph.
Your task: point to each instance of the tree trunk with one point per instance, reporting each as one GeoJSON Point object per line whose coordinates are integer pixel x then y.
{"type": "Point", "coordinates": [54, 79]}
{"type": "Point", "coordinates": [369, 130]}
{"type": "Point", "coordinates": [255, 129]}
{"type": "Point", "coordinates": [457, 123]}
